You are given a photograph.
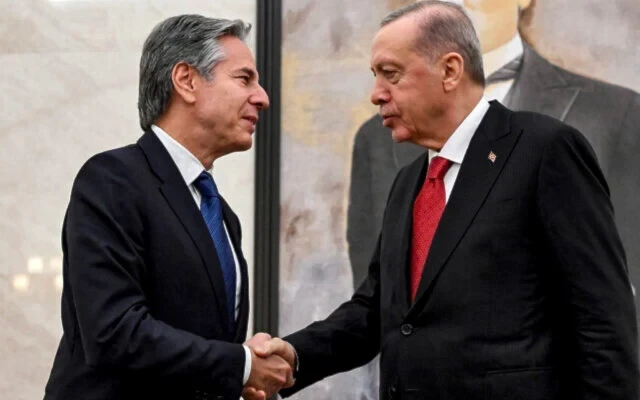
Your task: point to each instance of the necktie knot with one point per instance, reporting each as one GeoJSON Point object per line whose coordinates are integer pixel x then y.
{"type": "Point", "coordinates": [438, 167]}
{"type": "Point", "coordinates": [205, 185]}
{"type": "Point", "coordinates": [506, 72]}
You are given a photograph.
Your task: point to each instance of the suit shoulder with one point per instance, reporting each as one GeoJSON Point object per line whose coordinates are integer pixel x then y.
{"type": "Point", "coordinates": [543, 132]}
{"type": "Point", "coordinates": [124, 156]}
{"type": "Point", "coordinates": [122, 162]}
{"type": "Point", "coordinates": [532, 118]}
{"type": "Point", "coordinates": [372, 129]}
{"type": "Point", "coordinates": [605, 92]}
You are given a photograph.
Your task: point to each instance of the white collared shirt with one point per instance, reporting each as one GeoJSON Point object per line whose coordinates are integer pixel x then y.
{"type": "Point", "coordinates": [190, 168]}
{"type": "Point", "coordinates": [456, 146]}
{"type": "Point", "coordinates": [496, 59]}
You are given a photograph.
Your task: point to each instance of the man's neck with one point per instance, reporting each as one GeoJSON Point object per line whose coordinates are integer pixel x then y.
{"type": "Point", "coordinates": [187, 139]}
{"type": "Point", "coordinates": [465, 103]}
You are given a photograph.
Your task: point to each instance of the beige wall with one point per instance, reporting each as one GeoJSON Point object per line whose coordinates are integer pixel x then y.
{"type": "Point", "coordinates": [68, 89]}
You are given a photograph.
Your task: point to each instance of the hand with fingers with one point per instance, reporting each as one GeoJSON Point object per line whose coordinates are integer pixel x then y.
{"type": "Point", "coordinates": [273, 361]}
{"type": "Point", "coordinates": [271, 369]}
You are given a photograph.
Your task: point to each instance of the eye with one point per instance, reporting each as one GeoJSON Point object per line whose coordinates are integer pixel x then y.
{"type": "Point", "coordinates": [245, 79]}
{"type": "Point", "coordinates": [389, 74]}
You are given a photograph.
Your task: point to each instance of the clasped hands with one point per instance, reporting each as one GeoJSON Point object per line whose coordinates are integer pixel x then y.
{"type": "Point", "coordinates": [272, 363]}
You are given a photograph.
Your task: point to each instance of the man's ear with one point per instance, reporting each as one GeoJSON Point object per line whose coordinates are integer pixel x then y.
{"type": "Point", "coordinates": [453, 67]}
{"type": "Point", "coordinates": [183, 77]}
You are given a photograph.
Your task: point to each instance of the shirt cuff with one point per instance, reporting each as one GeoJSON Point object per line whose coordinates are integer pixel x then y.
{"type": "Point", "coordinates": [296, 362]}
{"type": "Point", "coordinates": [247, 365]}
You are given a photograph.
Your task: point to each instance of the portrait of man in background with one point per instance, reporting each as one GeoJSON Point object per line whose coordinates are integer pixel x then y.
{"type": "Point", "coordinates": [522, 80]}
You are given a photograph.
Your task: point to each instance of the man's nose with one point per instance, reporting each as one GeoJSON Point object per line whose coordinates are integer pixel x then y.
{"type": "Point", "coordinates": [379, 95]}
{"type": "Point", "coordinates": [260, 99]}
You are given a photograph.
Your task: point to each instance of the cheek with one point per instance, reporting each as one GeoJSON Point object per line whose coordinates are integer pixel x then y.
{"type": "Point", "coordinates": [410, 101]}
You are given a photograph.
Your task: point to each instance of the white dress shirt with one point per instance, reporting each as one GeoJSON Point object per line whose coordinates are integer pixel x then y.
{"type": "Point", "coordinates": [496, 59]}
{"type": "Point", "coordinates": [190, 168]}
{"type": "Point", "coordinates": [456, 146]}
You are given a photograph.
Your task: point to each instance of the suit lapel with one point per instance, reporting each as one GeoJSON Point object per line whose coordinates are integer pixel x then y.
{"type": "Point", "coordinates": [475, 179]}
{"type": "Point", "coordinates": [175, 191]}
{"type": "Point", "coordinates": [232, 224]}
{"type": "Point", "coordinates": [541, 88]}
{"type": "Point", "coordinates": [402, 209]}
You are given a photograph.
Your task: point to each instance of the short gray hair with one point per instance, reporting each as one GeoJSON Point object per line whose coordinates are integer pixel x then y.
{"type": "Point", "coordinates": [192, 39]}
{"type": "Point", "coordinates": [447, 28]}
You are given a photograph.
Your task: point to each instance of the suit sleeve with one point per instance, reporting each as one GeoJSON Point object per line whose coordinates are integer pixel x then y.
{"type": "Point", "coordinates": [348, 338]}
{"type": "Point", "coordinates": [361, 229]}
{"type": "Point", "coordinates": [624, 180]}
{"type": "Point", "coordinates": [107, 277]}
{"type": "Point", "coordinates": [578, 219]}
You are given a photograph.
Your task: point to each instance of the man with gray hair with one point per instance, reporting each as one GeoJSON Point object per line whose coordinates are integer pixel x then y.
{"type": "Point", "coordinates": [499, 272]}
{"type": "Point", "coordinates": [155, 302]}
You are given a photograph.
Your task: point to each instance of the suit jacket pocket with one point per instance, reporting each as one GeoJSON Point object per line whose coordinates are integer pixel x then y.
{"type": "Point", "coordinates": [522, 384]}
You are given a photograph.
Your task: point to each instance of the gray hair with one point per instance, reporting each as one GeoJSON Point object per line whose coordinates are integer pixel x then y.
{"type": "Point", "coordinates": [447, 28]}
{"type": "Point", "coordinates": [192, 39]}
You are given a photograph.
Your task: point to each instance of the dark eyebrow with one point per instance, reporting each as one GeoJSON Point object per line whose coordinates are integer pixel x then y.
{"type": "Point", "coordinates": [246, 70]}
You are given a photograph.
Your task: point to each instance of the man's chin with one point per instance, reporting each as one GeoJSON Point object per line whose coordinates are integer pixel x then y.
{"type": "Point", "coordinates": [400, 135]}
{"type": "Point", "coordinates": [245, 144]}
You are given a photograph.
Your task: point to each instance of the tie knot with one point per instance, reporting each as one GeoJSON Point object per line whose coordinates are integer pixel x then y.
{"type": "Point", "coordinates": [438, 167]}
{"type": "Point", "coordinates": [506, 72]}
{"type": "Point", "coordinates": [205, 185]}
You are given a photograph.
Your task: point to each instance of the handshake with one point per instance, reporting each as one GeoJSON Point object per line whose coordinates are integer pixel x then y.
{"type": "Point", "coordinates": [272, 366]}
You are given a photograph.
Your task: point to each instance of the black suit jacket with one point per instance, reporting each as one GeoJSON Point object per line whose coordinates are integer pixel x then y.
{"type": "Point", "coordinates": [607, 115]}
{"type": "Point", "coordinates": [143, 306]}
{"type": "Point", "coordinates": [525, 293]}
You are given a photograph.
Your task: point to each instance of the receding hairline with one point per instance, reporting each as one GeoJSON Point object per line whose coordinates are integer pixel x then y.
{"type": "Point", "coordinates": [422, 15]}
{"type": "Point", "coordinates": [422, 12]}
{"type": "Point", "coordinates": [441, 28]}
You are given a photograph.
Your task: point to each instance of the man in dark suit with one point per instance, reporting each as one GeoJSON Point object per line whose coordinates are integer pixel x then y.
{"type": "Point", "coordinates": [498, 272]}
{"type": "Point", "coordinates": [155, 302]}
{"type": "Point", "coordinates": [608, 116]}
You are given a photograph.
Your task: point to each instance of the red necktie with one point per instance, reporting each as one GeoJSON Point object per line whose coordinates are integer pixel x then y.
{"type": "Point", "coordinates": [427, 210]}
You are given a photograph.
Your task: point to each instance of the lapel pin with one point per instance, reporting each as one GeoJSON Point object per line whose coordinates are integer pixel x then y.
{"type": "Point", "coordinates": [492, 157]}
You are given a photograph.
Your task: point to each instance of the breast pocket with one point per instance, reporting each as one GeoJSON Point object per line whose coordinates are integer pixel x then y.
{"type": "Point", "coordinates": [522, 384]}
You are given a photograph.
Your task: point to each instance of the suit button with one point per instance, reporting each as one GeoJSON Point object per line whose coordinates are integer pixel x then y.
{"type": "Point", "coordinates": [406, 329]}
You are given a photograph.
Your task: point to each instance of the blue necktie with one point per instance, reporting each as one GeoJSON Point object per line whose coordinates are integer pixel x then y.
{"type": "Point", "coordinates": [211, 210]}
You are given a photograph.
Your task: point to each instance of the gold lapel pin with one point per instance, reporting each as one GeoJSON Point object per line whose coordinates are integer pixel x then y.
{"type": "Point", "coordinates": [492, 156]}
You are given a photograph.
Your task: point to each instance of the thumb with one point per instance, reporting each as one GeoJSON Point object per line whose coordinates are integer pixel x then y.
{"type": "Point", "coordinates": [258, 340]}
{"type": "Point", "coordinates": [261, 337]}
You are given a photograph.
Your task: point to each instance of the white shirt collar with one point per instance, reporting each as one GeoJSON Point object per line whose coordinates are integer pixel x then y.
{"type": "Point", "coordinates": [497, 58]}
{"type": "Point", "coordinates": [456, 146]}
{"type": "Point", "coordinates": [188, 165]}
